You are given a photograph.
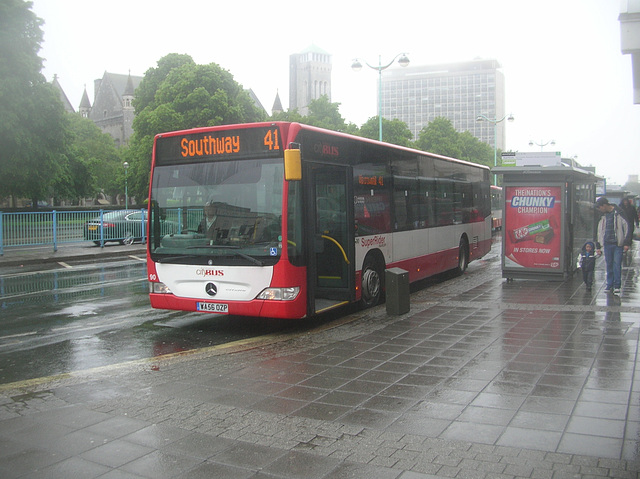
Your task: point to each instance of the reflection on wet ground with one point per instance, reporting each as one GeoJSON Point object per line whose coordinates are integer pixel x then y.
{"type": "Point", "coordinates": [531, 364]}
{"type": "Point", "coordinates": [64, 320]}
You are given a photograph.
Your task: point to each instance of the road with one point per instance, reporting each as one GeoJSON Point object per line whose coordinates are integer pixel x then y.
{"type": "Point", "coordinates": [81, 316]}
{"type": "Point", "coordinates": [58, 318]}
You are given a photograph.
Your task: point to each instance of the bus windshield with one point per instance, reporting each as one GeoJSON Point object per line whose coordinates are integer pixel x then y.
{"type": "Point", "coordinates": [217, 213]}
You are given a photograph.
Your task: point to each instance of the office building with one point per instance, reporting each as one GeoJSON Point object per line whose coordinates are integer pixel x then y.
{"type": "Point", "coordinates": [457, 91]}
{"type": "Point", "coordinates": [630, 40]}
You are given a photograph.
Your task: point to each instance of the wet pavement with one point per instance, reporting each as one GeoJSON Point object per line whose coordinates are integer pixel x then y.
{"type": "Point", "coordinates": [17, 259]}
{"type": "Point", "coordinates": [482, 379]}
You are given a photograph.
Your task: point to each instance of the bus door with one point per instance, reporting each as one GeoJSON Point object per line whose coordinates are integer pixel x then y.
{"type": "Point", "coordinates": [330, 224]}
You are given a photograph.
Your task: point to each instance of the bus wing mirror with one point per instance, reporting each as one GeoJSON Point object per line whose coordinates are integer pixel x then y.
{"type": "Point", "coordinates": [292, 165]}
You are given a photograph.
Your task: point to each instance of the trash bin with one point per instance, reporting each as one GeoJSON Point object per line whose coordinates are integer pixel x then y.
{"type": "Point", "coordinates": [397, 291]}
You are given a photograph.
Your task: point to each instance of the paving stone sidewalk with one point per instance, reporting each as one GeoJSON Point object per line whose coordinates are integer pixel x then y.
{"type": "Point", "coordinates": [481, 379]}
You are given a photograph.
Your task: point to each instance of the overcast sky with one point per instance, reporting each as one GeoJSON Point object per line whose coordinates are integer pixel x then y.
{"type": "Point", "coordinates": [566, 79]}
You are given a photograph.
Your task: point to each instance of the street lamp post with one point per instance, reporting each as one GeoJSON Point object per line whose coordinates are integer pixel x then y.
{"type": "Point", "coordinates": [542, 144]}
{"type": "Point", "coordinates": [495, 122]}
{"type": "Point", "coordinates": [357, 66]}
{"type": "Point", "coordinates": [126, 192]}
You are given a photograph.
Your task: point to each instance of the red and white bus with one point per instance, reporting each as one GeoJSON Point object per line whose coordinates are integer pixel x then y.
{"type": "Point", "coordinates": [300, 220]}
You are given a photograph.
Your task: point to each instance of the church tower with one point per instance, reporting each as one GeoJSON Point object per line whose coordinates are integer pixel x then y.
{"type": "Point", "coordinates": [309, 78]}
{"type": "Point", "coordinates": [85, 104]}
{"type": "Point", "coordinates": [127, 108]}
{"type": "Point", "coordinates": [277, 105]}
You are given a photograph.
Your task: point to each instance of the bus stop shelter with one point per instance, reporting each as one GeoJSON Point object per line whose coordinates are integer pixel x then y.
{"type": "Point", "coordinates": [548, 214]}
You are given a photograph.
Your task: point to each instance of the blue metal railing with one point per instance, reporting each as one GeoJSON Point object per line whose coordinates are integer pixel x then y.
{"type": "Point", "coordinates": [57, 227]}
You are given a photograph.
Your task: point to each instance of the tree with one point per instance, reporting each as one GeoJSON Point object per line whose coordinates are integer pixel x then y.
{"type": "Point", "coordinates": [146, 92]}
{"type": "Point", "coordinates": [440, 137]}
{"type": "Point", "coordinates": [393, 131]}
{"type": "Point", "coordinates": [20, 39]}
{"type": "Point", "coordinates": [324, 114]}
{"type": "Point", "coordinates": [178, 95]}
{"type": "Point", "coordinates": [474, 150]}
{"type": "Point", "coordinates": [93, 162]}
{"type": "Point", "coordinates": [33, 127]}
{"type": "Point", "coordinates": [289, 115]}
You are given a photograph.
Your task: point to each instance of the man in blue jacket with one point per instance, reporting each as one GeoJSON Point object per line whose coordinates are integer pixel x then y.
{"type": "Point", "coordinates": [614, 236]}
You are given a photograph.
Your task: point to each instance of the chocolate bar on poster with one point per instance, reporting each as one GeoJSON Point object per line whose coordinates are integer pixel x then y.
{"type": "Point", "coordinates": [530, 231]}
{"type": "Point", "coordinates": [545, 237]}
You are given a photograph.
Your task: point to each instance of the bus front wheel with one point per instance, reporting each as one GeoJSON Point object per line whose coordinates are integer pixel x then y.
{"type": "Point", "coordinates": [372, 283]}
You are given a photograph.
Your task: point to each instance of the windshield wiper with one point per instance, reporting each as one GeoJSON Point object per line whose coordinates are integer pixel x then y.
{"type": "Point", "coordinates": [168, 259]}
{"type": "Point", "coordinates": [236, 253]}
{"type": "Point", "coordinates": [249, 257]}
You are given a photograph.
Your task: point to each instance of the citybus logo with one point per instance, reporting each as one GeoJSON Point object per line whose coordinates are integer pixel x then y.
{"type": "Point", "coordinates": [326, 150]}
{"type": "Point", "coordinates": [209, 272]}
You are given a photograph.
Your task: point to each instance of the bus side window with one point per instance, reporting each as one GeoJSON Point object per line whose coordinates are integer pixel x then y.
{"type": "Point", "coordinates": [427, 206]}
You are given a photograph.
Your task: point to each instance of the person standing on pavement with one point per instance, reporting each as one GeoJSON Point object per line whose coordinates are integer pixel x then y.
{"type": "Point", "coordinates": [615, 238]}
{"type": "Point", "coordinates": [630, 213]}
{"type": "Point", "coordinates": [588, 263]}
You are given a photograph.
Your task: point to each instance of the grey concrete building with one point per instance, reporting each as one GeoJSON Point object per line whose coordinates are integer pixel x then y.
{"type": "Point", "coordinates": [309, 77]}
{"type": "Point", "coordinates": [630, 40]}
{"type": "Point", "coordinates": [458, 91]}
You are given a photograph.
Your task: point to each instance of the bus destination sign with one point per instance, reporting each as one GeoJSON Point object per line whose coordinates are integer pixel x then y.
{"type": "Point", "coordinates": [219, 145]}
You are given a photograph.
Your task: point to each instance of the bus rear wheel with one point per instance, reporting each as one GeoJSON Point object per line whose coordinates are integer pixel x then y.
{"type": "Point", "coordinates": [372, 283]}
{"type": "Point", "coordinates": [463, 256]}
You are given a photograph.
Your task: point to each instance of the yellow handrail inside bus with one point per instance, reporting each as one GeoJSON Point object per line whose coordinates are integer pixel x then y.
{"type": "Point", "coordinates": [346, 260]}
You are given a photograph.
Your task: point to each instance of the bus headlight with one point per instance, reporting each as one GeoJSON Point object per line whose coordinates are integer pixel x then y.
{"type": "Point", "coordinates": [159, 288]}
{"type": "Point", "coordinates": [279, 294]}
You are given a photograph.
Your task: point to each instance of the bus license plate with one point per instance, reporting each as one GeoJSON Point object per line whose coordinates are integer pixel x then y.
{"type": "Point", "coordinates": [219, 308]}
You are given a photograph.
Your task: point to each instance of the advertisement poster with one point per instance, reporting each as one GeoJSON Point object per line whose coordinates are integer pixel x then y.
{"type": "Point", "coordinates": [532, 227]}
